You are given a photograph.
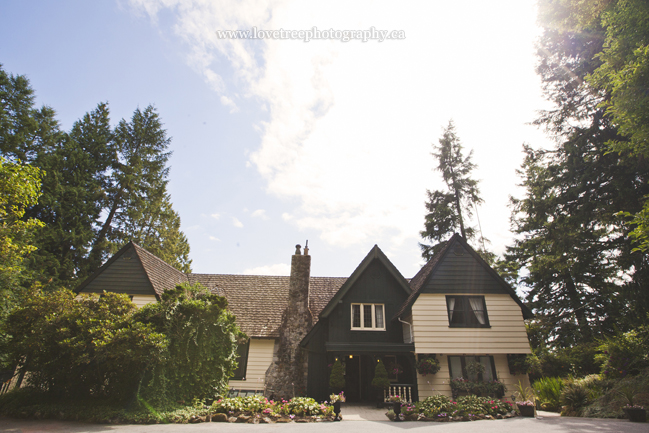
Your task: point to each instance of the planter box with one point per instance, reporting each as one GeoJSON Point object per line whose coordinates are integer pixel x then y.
{"type": "Point", "coordinates": [636, 415]}
{"type": "Point", "coordinates": [527, 411]}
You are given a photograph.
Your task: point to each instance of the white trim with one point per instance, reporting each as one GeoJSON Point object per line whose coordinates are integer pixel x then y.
{"type": "Point", "coordinates": [362, 321]}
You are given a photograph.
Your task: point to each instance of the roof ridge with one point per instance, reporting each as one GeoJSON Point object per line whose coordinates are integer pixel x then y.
{"type": "Point", "coordinates": [150, 254]}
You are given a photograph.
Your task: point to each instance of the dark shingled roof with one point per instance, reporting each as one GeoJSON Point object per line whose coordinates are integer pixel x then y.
{"type": "Point", "coordinates": [162, 275]}
{"type": "Point", "coordinates": [424, 273]}
{"type": "Point", "coordinates": [418, 280]}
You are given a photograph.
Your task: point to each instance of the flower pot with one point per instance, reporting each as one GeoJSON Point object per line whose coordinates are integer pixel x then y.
{"type": "Point", "coordinates": [396, 407]}
{"type": "Point", "coordinates": [527, 411]}
{"type": "Point", "coordinates": [337, 409]}
{"type": "Point", "coordinates": [636, 414]}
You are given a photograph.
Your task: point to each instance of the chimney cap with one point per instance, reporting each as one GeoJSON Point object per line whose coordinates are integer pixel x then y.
{"type": "Point", "coordinates": [297, 250]}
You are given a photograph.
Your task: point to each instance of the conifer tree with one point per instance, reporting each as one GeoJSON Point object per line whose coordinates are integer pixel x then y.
{"type": "Point", "coordinates": [450, 210]}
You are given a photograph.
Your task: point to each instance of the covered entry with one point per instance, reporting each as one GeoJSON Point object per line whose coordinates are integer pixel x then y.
{"type": "Point", "coordinates": [360, 368]}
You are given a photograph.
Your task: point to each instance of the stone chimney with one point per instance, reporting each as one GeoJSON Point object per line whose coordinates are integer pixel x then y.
{"type": "Point", "coordinates": [286, 377]}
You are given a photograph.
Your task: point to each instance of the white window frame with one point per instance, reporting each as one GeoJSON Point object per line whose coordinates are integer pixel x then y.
{"type": "Point", "coordinates": [362, 310]}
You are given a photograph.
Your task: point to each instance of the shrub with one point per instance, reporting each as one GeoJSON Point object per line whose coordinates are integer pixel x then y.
{"type": "Point", "coordinates": [434, 405]}
{"type": "Point", "coordinates": [202, 344]}
{"type": "Point", "coordinates": [380, 380]}
{"type": "Point", "coordinates": [337, 378]}
{"type": "Point", "coordinates": [179, 349]}
{"type": "Point", "coordinates": [79, 349]}
{"type": "Point", "coordinates": [548, 391]}
{"type": "Point", "coordinates": [574, 396]}
{"type": "Point", "coordinates": [625, 354]}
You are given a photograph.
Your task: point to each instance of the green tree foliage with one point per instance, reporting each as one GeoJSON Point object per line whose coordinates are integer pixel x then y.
{"type": "Point", "coordinates": [102, 187]}
{"type": "Point", "coordinates": [179, 349]}
{"type": "Point", "coordinates": [201, 353]}
{"type": "Point", "coordinates": [337, 376]}
{"type": "Point", "coordinates": [71, 206]}
{"type": "Point", "coordinates": [581, 271]}
{"type": "Point", "coordinates": [19, 189]}
{"type": "Point", "coordinates": [87, 348]}
{"type": "Point", "coordinates": [138, 205]}
{"type": "Point", "coordinates": [625, 354]}
{"type": "Point", "coordinates": [450, 210]}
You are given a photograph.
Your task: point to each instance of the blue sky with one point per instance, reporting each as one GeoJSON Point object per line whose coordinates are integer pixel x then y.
{"type": "Point", "coordinates": [279, 141]}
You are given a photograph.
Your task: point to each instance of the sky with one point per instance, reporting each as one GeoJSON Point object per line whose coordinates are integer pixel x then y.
{"type": "Point", "coordinates": [277, 141]}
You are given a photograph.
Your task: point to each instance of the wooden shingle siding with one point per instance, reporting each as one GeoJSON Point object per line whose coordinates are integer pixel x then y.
{"type": "Point", "coordinates": [455, 273]}
{"type": "Point", "coordinates": [124, 275]}
{"type": "Point", "coordinates": [260, 356]}
{"type": "Point", "coordinates": [440, 383]}
{"type": "Point", "coordinates": [142, 300]}
{"type": "Point", "coordinates": [510, 381]}
{"type": "Point", "coordinates": [433, 335]}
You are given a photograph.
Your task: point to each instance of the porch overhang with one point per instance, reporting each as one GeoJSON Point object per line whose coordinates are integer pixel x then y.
{"type": "Point", "coordinates": [369, 347]}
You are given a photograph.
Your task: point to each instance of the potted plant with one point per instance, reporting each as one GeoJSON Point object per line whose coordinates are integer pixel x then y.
{"type": "Point", "coordinates": [336, 399]}
{"type": "Point", "coordinates": [633, 412]}
{"type": "Point", "coordinates": [380, 381]}
{"type": "Point", "coordinates": [525, 400]}
{"type": "Point", "coordinates": [337, 377]}
{"type": "Point", "coordinates": [526, 407]}
{"type": "Point", "coordinates": [396, 401]}
{"type": "Point", "coordinates": [428, 365]}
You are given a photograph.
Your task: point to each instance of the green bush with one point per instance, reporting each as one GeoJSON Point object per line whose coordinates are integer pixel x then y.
{"type": "Point", "coordinates": [548, 391]}
{"type": "Point", "coordinates": [380, 380]}
{"type": "Point", "coordinates": [201, 353]}
{"type": "Point", "coordinates": [337, 378]}
{"type": "Point", "coordinates": [625, 354]}
{"type": "Point", "coordinates": [577, 361]}
{"type": "Point", "coordinates": [439, 406]}
{"type": "Point", "coordinates": [179, 349]}
{"type": "Point", "coordinates": [575, 395]}
{"type": "Point", "coordinates": [78, 349]}
{"type": "Point", "coordinates": [434, 405]}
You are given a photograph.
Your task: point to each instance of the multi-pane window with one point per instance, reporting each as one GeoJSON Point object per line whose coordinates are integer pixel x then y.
{"type": "Point", "coordinates": [467, 311]}
{"type": "Point", "coordinates": [457, 367]}
{"type": "Point", "coordinates": [368, 316]}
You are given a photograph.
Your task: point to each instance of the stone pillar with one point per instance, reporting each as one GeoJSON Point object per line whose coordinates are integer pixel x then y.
{"type": "Point", "coordinates": [286, 377]}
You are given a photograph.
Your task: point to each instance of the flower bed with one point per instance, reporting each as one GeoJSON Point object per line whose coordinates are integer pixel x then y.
{"type": "Point", "coordinates": [468, 408]}
{"type": "Point", "coordinates": [255, 409]}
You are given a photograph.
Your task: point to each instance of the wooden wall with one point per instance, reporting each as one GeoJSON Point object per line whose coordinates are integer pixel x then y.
{"type": "Point", "coordinates": [433, 335]}
{"type": "Point", "coordinates": [440, 383]}
{"type": "Point", "coordinates": [260, 356]}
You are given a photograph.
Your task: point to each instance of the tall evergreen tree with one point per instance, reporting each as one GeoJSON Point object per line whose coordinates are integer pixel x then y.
{"type": "Point", "coordinates": [450, 210]}
{"type": "Point", "coordinates": [581, 271]}
{"type": "Point", "coordinates": [101, 187]}
{"type": "Point", "coordinates": [138, 206]}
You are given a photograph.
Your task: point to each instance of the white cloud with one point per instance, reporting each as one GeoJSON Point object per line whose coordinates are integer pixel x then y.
{"type": "Point", "coordinates": [350, 125]}
{"type": "Point", "coordinates": [278, 269]}
{"type": "Point", "coordinates": [216, 216]}
{"type": "Point", "coordinates": [260, 213]}
{"type": "Point", "coordinates": [236, 222]}
{"type": "Point", "coordinates": [215, 239]}
{"type": "Point", "coordinates": [229, 103]}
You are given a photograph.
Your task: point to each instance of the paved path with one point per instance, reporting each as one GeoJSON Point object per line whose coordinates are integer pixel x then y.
{"type": "Point", "coordinates": [356, 420]}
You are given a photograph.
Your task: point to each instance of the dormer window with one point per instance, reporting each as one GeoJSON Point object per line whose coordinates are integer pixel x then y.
{"type": "Point", "coordinates": [467, 312]}
{"type": "Point", "coordinates": [368, 317]}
